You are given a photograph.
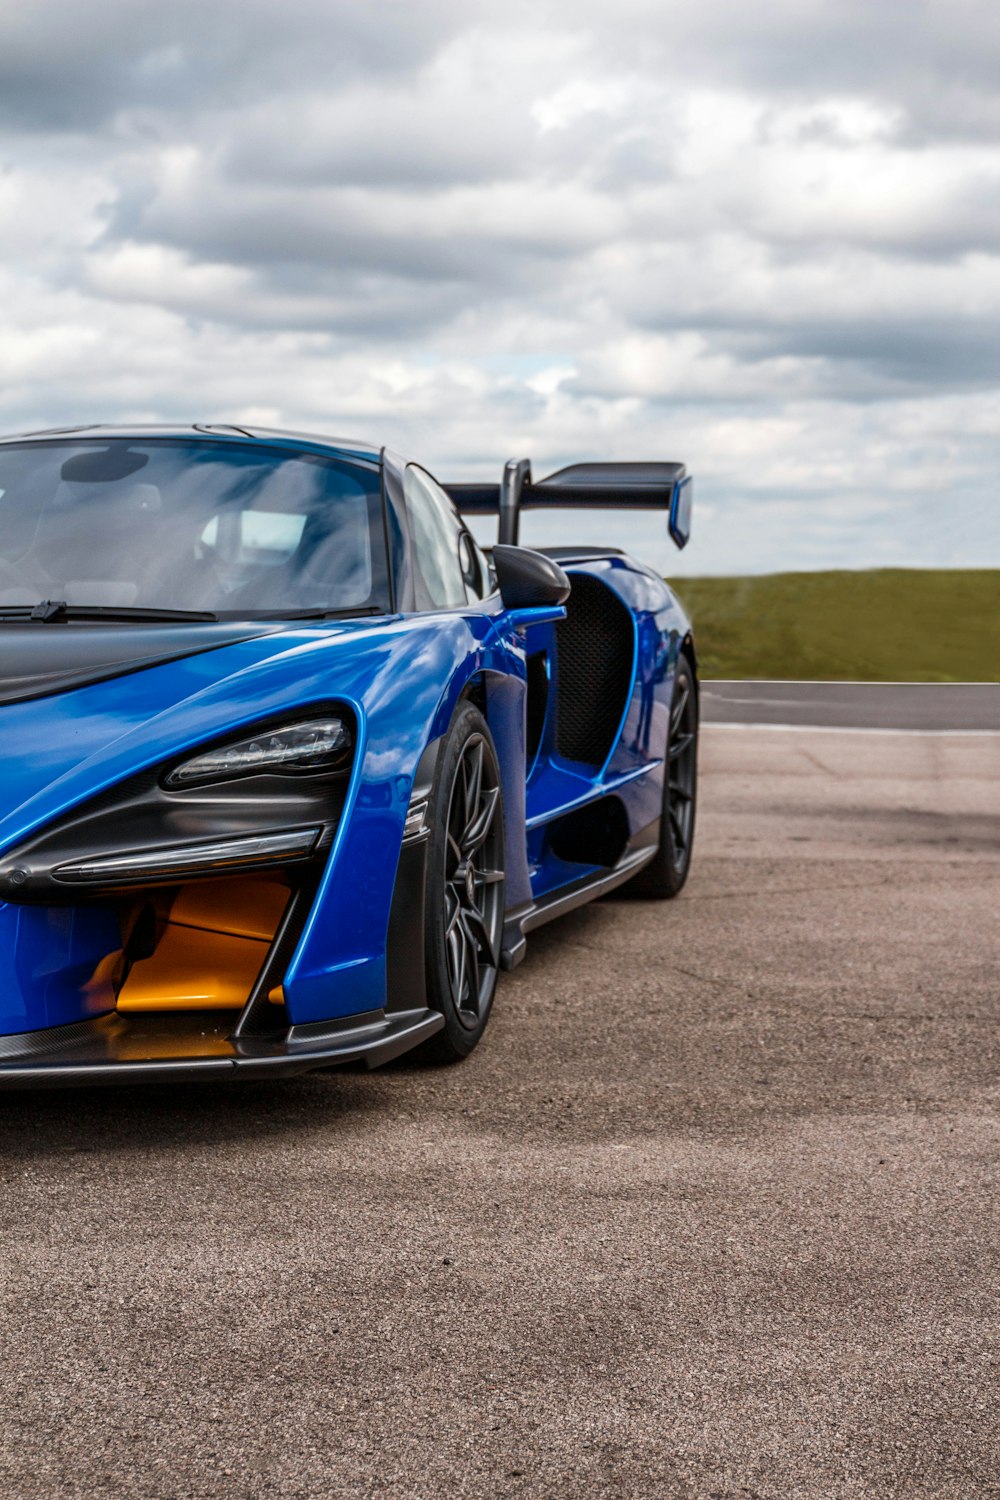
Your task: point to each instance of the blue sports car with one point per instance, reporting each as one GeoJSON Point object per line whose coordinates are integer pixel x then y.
{"type": "Point", "coordinates": [291, 767]}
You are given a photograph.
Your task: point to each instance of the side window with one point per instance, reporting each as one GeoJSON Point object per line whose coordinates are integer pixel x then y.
{"type": "Point", "coordinates": [437, 543]}
{"type": "Point", "coordinates": [475, 568]}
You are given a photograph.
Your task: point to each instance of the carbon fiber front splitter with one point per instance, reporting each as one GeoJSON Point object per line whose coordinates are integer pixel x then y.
{"type": "Point", "coordinates": [199, 1045]}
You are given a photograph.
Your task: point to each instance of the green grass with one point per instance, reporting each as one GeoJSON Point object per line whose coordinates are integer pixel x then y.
{"type": "Point", "coordinates": [887, 625]}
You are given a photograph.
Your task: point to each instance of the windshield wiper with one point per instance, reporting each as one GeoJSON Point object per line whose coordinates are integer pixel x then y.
{"type": "Point", "coordinates": [52, 611]}
{"type": "Point", "coordinates": [317, 614]}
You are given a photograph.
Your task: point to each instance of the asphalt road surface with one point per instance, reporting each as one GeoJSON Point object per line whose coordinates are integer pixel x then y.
{"type": "Point", "coordinates": [940, 707]}
{"type": "Point", "coordinates": [711, 1214]}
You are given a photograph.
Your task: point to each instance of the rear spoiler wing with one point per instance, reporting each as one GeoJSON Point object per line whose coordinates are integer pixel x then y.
{"type": "Point", "coordinates": [627, 486]}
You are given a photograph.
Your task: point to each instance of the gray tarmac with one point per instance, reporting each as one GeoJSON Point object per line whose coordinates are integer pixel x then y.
{"type": "Point", "coordinates": [711, 1214]}
{"type": "Point", "coordinates": [940, 707]}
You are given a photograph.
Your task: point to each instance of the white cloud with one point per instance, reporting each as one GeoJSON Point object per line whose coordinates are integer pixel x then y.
{"type": "Point", "coordinates": [766, 242]}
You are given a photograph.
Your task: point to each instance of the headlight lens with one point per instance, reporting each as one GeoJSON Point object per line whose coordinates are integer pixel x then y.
{"type": "Point", "coordinates": [314, 745]}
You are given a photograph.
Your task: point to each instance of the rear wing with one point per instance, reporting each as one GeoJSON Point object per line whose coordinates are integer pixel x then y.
{"type": "Point", "coordinates": [638, 486]}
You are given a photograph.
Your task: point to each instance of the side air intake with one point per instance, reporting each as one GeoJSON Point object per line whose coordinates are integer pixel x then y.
{"type": "Point", "coordinates": [595, 646]}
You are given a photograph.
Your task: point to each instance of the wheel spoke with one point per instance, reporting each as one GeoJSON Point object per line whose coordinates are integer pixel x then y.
{"type": "Point", "coordinates": [478, 829]}
{"type": "Point", "coordinates": [678, 745]}
{"type": "Point", "coordinates": [679, 793]}
{"type": "Point", "coordinates": [454, 850]}
{"type": "Point", "coordinates": [454, 955]}
{"type": "Point", "coordinates": [475, 923]}
{"type": "Point", "coordinates": [472, 960]}
{"type": "Point", "coordinates": [489, 877]}
{"type": "Point", "coordinates": [677, 715]}
{"type": "Point", "coordinates": [679, 835]}
{"type": "Point", "coordinates": [458, 945]}
{"type": "Point", "coordinates": [473, 784]}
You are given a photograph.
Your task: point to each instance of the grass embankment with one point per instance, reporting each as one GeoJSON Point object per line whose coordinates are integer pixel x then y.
{"type": "Point", "coordinates": [887, 625]}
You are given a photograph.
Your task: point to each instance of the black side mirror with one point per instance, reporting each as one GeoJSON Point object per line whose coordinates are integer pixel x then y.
{"type": "Point", "coordinates": [529, 580]}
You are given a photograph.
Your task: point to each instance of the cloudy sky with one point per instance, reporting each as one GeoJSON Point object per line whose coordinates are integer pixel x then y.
{"type": "Point", "coordinates": [764, 240]}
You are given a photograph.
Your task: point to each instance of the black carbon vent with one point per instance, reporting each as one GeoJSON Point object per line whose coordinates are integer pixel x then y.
{"type": "Point", "coordinates": [595, 645]}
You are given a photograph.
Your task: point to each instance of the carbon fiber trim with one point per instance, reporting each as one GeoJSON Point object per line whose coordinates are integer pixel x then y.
{"type": "Point", "coordinates": [164, 1048]}
{"type": "Point", "coordinates": [51, 1038]}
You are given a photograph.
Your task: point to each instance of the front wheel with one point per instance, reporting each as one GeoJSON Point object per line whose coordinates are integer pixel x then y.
{"type": "Point", "coordinates": [666, 873]}
{"type": "Point", "coordinates": [465, 887]}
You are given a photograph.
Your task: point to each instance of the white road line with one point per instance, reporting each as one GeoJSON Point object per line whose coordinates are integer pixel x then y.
{"type": "Point", "coordinates": [856, 729]}
{"type": "Point", "coordinates": [837, 682]}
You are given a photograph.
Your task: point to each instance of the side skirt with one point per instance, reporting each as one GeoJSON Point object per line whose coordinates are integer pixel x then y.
{"type": "Point", "coordinates": [568, 898]}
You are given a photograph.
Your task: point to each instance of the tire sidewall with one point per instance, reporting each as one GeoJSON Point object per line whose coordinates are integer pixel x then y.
{"type": "Point", "coordinates": [677, 876]}
{"type": "Point", "coordinates": [661, 880]}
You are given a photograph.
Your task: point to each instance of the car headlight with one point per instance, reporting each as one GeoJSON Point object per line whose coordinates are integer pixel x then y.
{"type": "Point", "coordinates": [313, 745]}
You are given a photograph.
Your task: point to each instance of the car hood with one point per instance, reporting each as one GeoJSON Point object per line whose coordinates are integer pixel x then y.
{"type": "Point", "coordinates": [89, 707]}
{"type": "Point", "coordinates": [39, 659]}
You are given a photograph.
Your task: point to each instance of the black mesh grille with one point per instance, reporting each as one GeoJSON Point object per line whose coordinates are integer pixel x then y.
{"type": "Point", "coordinates": [595, 648]}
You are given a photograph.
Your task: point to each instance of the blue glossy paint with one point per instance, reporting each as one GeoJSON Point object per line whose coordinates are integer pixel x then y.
{"type": "Point", "coordinates": [403, 677]}
{"type": "Point", "coordinates": [54, 965]}
{"type": "Point", "coordinates": [633, 770]}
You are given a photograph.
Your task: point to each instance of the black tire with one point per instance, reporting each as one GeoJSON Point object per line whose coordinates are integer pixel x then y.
{"type": "Point", "coordinates": [664, 876]}
{"type": "Point", "coordinates": [465, 887]}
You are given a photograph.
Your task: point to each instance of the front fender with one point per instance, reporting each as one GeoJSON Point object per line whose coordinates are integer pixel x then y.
{"type": "Point", "coordinates": [339, 966]}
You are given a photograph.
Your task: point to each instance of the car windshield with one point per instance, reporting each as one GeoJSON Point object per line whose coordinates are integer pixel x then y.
{"type": "Point", "coordinates": [162, 524]}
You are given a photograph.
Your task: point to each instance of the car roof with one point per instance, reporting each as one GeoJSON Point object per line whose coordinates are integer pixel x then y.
{"type": "Point", "coordinates": [273, 436]}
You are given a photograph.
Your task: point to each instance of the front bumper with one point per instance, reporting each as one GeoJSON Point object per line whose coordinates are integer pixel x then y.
{"type": "Point", "coordinates": [200, 1045]}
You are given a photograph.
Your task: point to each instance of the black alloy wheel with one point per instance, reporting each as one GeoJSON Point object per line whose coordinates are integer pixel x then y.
{"type": "Point", "coordinates": [465, 896]}
{"type": "Point", "coordinates": [682, 755]}
{"type": "Point", "coordinates": [666, 873]}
